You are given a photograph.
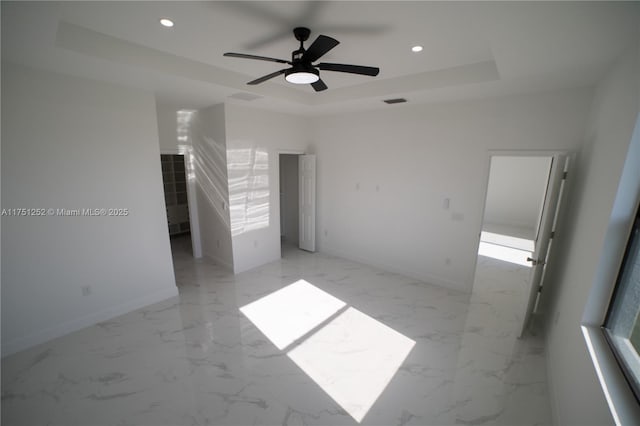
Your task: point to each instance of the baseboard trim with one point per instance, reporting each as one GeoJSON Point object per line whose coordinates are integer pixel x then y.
{"type": "Point", "coordinates": [551, 385]}
{"type": "Point", "coordinates": [243, 268]}
{"type": "Point", "coordinates": [50, 333]}
{"type": "Point", "coordinates": [218, 261]}
{"type": "Point", "coordinates": [430, 279]}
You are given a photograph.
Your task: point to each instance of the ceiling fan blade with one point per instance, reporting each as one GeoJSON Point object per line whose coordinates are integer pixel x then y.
{"type": "Point", "coordinates": [260, 58]}
{"type": "Point", "coordinates": [352, 69]}
{"type": "Point", "coordinates": [266, 77]}
{"type": "Point", "coordinates": [267, 40]}
{"type": "Point", "coordinates": [319, 86]}
{"type": "Point", "coordinates": [319, 47]}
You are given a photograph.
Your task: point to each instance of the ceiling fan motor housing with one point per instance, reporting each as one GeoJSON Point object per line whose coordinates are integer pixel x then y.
{"type": "Point", "coordinates": [296, 55]}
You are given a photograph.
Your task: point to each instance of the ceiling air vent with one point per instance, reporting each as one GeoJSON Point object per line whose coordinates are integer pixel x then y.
{"type": "Point", "coordinates": [243, 96]}
{"type": "Point", "coordinates": [395, 101]}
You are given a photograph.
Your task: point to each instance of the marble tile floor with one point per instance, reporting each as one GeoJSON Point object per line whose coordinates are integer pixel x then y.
{"type": "Point", "coordinates": [359, 346]}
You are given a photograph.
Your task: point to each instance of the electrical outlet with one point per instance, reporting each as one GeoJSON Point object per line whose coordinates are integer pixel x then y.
{"type": "Point", "coordinates": [86, 290]}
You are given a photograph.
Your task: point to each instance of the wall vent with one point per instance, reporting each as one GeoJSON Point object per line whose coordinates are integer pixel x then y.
{"type": "Point", "coordinates": [395, 101]}
{"type": "Point", "coordinates": [243, 96]}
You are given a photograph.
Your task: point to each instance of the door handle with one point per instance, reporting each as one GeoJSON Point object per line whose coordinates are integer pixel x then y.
{"type": "Point", "coordinates": [535, 262]}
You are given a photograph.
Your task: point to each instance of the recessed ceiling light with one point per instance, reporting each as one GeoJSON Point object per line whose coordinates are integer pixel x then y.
{"type": "Point", "coordinates": [166, 22]}
{"type": "Point", "coordinates": [416, 49]}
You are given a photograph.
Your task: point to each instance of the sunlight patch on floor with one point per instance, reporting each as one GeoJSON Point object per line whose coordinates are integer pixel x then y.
{"type": "Point", "coordinates": [349, 354]}
{"type": "Point", "coordinates": [291, 312]}
{"type": "Point", "coordinates": [353, 358]}
{"type": "Point", "coordinates": [503, 253]}
{"type": "Point", "coordinates": [507, 240]}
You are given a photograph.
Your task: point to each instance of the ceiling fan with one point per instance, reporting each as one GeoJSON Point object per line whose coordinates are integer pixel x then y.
{"type": "Point", "coordinates": [302, 70]}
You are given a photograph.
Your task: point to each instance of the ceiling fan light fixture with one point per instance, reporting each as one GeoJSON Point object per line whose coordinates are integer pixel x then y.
{"type": "Point", "coordinates": [302, 78]}
{"type": "Point", "coordinates": [300, 74]}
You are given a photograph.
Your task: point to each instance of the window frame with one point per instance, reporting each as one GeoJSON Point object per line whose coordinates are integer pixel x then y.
{"type": "Point", "coordinates": [632, 380]}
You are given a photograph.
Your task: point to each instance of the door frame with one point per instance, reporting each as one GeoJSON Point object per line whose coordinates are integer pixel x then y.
{"type": "Point", "coordinates": [307, 172]}
{"type": "Point", "coordinates": [553, 204]}
{"type": "Point", "coordinates": [194, 220]}
{"type": "Point", "coordinates": [515, 153]}
{"type": "Point", "coordinates": [297, 152]}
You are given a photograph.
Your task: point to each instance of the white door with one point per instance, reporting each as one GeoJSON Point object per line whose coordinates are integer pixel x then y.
{"type": "Point", "coordinates": [542, 249]}
{"type": "Point", "coordinates": [307, 201]}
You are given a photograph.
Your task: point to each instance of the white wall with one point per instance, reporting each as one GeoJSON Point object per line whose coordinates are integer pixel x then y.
{"type": "Point", "coordinates": [73, 143]}
{"type": "Point", "coordinates": [167, 127]}
{"type": "Point", "coordinates": [254, 138]}
{"type": "Point", "coordinates": [383, 177]}
{"type": "Point", "coordinates": [517, 186]}
{"type": "Point", "coordinates": [209, 158]}
{"type": "Point", "coordinates": [592, 246]}
{"type": "Point", "coordinates": [289, 206]}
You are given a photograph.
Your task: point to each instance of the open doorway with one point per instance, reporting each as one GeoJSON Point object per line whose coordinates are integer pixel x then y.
{"type": "Point", "coordinates": [521, 209]}
{"type": "Point", "coordinates": [513, 206]}
{"type": "Point", "coordinates": [297, 188]}
{"type": "Point", "coordinates": [289, 202]}
{"type": "Point", "coordinates": [177, 205]}
{"type": "Point", "coordinates": [297, 175]}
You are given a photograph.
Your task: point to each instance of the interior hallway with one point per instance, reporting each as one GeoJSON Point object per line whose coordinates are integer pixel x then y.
{"type": "Point", "coordinates": [196, 359]}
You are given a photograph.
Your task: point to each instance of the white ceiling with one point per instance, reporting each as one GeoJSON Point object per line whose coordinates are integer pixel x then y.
{"type": "Point", "coordinates": [471, 49]}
